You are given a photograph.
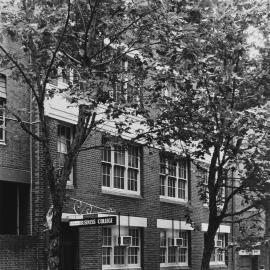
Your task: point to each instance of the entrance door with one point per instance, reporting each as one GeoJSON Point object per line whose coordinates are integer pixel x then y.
{"type": "Point", "coordinates": [255, 263]}
{"type": "Point", "coordinates": [69, 248]}
{"type": "Point", "coordinates": [245, 263]}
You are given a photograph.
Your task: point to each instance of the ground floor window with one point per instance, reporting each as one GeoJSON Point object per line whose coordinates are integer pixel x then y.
{"type": "Point", "coordinates": [218, 255]}
{"type": "Point", "coordinates": [121, 249]}
{"type": "Point", "coordinates": [174, 247]}
{"type": "Point", "coordinates": [14, 203]}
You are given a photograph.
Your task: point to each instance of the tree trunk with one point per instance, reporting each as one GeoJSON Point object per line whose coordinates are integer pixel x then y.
{"type": "Point", "coordinates": [209, 245]}
{"type": "Point", "coordinates": [54, 238]}
{"type": "Point", "coordinates": [207, 251]}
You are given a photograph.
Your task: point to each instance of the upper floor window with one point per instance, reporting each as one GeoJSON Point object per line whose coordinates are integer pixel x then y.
{"type": "Point", "coordinates": [204, 190]}
{"type": "Point", "coordinates": [121, 168]}
{"type": "Point", "coordinates": [121, 250]}
{"type": "Point", "coordinates": [174, 248]}
{"type": "Point", "coordinates": [64, 138]}
{"type": "Point", "coordinates": [218, 255]}
{"type": "Point", "coordinates": [173, 178]}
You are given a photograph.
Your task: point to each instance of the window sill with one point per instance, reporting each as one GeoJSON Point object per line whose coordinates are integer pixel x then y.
{"type": "Point", "coordinates": [117, 192]}
{"type": "Point", "coordinates": [217, 265]}
{"type": "Point", "coordinates": [3, 143]}
{"type": "Point", "coordinates": [69, 186]}
{"type": "Point", "coordinates": [172, 200]}
{"type": "Point", "coordinates": [173, 266]}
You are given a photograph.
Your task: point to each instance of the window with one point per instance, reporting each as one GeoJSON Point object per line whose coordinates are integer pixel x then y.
{"type": "Point", "coordinates": [14, 204]}
{"type": "Point", "coordinates": [218, 255]}
{"type": "Point", "coordinates": [173, 178]}
{"type": "Point", "coordinates": [172, 254]}
{"type": "Point", "coordinates": [204, 192]}
{"type": "Point", "coordinates": [2, 120]}
{"type": "Point", "coordinates": [65, 75]}
{"type": "Point", "coordinates": [113, 254]}
{"type": "Point", "coordinates": [64, 138]}
{"type": "Point", "coordinates": [121, 168]}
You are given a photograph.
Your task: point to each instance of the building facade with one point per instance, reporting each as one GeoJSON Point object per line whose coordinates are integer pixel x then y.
{"type": "Point", "coordinates": [149, 192]}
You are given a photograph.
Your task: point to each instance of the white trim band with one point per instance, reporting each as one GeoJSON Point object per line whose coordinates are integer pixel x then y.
{"type": "Point", "coordinates": [167, 224]}
{"type": "Point", "coordinates": [221, 229]}
{"type": "Point", "coordinates": [67, 216]}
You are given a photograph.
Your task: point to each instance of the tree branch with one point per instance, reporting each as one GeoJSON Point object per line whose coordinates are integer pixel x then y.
{"type": "Point", "coordinates": [27, 80]}
{"type": "Point", "coordinates": [118, 34]}
{"type": "Point", "coordinates": [242, 219]}
{"type": "Point", "coordinates": [239, 212]}
{"type": "Point", "coordinates": [55, 53]}
{"type": "Point", "coordinates": [25, 128]}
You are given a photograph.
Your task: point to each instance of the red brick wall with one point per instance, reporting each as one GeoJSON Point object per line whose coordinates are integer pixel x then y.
{"type": "Point", "coordinates": [88, 188]}
{"type": "Point", "coordinates": [15, 154]}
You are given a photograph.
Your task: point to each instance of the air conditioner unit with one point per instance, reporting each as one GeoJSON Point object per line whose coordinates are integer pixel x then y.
{"type": "Point", "coordinates": [177, 242]}
{"type": "Point", "coordinates": [219, 243]}
{"type": "Point", "coordinates": [125, 240]}
{"type": "Point", "coordinates": [111, 93]}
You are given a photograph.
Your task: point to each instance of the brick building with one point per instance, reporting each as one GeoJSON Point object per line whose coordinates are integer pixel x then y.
{"type": "Point", "coordinates": [148, 190]}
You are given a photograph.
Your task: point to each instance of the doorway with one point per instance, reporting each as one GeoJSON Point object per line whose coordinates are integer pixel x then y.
{"type": "Point", "coordinates": [69, 247]}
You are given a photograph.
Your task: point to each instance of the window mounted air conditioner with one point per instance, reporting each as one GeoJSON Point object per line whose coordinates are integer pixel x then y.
{"type": "Point", "coordinates": [125, 240]}
{"type": "Point", "coordinates": [111, 93]}
{"type": "Point", "coordinates": [177, 242]}
{"type": "Point", "coordinates": [219, 244]}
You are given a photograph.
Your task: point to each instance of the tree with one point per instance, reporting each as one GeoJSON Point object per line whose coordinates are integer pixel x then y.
{"type": "Point", "coordinates": [211, 87]}
{"type": "Point", "coordinates": [91, 38]}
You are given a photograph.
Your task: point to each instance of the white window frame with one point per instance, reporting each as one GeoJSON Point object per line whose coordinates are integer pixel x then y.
{"type": "Point", "coordinates": [165, 178]}
{"type": "Point", "coordinates": [219, 257]}
{"type": "Point", "coordinates": [113, 245]}
{"type": "Point", "coordinates": [126, 167]}
{"type": "Point", "coordinates": [169, 234]}
{"type": "Point", "coordinates": [3, 119]}
{"type": "Point", "coordinates": [204, 177]}
{"type": "Point", "coordinates": [60, 151]}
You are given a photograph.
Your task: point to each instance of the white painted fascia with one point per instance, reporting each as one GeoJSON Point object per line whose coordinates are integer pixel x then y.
{"type": "Point", "coordinates": [221, 229]}
{"type": "Point", "coordinates": [68, 216]}
{"type": "Point", "coordinates": [176, 224]}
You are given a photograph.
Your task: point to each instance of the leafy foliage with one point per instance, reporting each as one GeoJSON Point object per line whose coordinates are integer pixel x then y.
{"type": "Point", "coordinates": [211, 93]}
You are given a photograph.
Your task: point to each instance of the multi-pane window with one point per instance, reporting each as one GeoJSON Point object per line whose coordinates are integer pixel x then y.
{"type": "Point", "coordinates": [220, 197]}
{"type": "Point", "coordinates": [173, 178]}
{"type": "Point", "coordinates": [2, 120]}
{"type": "Point", "coordinates": [133, 250]}
{"type": "Point", "coordinates": [163, 246]}
{"type": "Point", "coordinates": [218, 255]}
{"type": "Point", "coordinates": [64, 138]}
{"type": "Point", "coordinates": [170, 253]}
{"type": "Point", "coordinates": [121, 168]}
{"type": "Point", "coordinates": [114, 254]}
{"type": "Point", "coordinates": [106, 246]}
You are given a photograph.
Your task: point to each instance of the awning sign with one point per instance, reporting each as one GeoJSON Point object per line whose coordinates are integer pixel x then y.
{"type": "Point", "coordinates": [100, 221]}
{"type": "Point", "coordinates": [254, 252]}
